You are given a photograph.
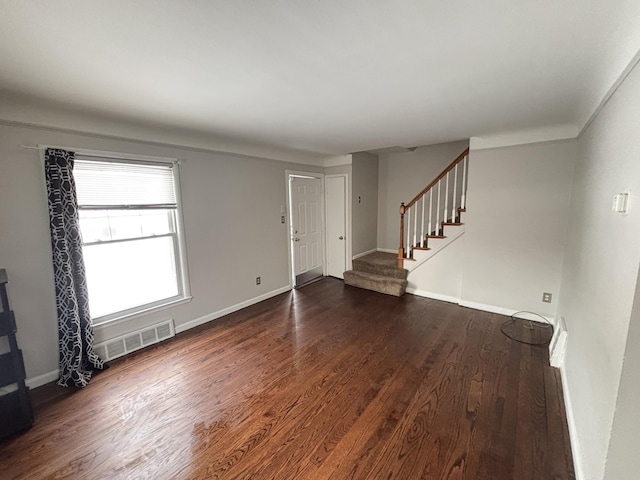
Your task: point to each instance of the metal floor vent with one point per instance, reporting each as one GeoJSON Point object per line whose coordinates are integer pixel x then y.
{"type": "Point", "coordinates": [131, 342]}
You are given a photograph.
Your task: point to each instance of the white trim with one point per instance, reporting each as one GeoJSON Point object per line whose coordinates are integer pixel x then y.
{"type": "Point", "coordinates": [524, 137]}
{"type": "Point", "coordinates": [112, 155]}
{"type": "Point", "coordinates": [387, 250]}
{"type": "Point", "coordinates": [291, 156]}
{"type": "Point", "coordinates": [440, 244]}
{"type": "Point", "coordinates": [53, 375]}
{"type": "Point", "coordinates": [571, 423]}
{"type": "Point", "coordinates": [487, 308]}
{"type": "Point", "coordinates": [501, 310]}
{"type": "Point", "coordinates": [433, 295]}
{"type": "Point", "coordinates": [181, 255]}
{"type": "Point", "coordinates": [233, 308]}
{"type": "Point", "coordinates": [368, 252]}
{"type": "Point", "coordinates": [558, 350]}
{"type": "Point", "coordinates": [43, 379]}
{"type": "Point", "coordinates": [338, 161]}
{"type": "Point", "coordinates": [182, 239]}
{"type": "Point", "coordinates": [607, 96]}
{"type": "Point", "coordinates": [558, 344]}
{"type": "Point", "coordinates": [140, 313]}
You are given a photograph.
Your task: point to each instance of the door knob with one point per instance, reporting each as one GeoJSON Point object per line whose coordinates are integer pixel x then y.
{"type": "Point", "coordinates": [340, 237]}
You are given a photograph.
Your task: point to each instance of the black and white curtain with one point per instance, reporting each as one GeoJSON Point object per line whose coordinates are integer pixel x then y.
{"type": "Point", "coordinates": [75, 329]}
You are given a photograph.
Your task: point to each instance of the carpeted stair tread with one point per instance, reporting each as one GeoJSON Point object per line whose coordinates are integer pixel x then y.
{"type": "Point", "coordinates": [377, 283]}
{"type": "Point", "coordinates": [380, 263]}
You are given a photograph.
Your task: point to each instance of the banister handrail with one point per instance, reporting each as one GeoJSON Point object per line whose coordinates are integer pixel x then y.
{"type": "Point", "coordinates": [407, 246]}
{"type": "Point", "coordinates": [438, 178]}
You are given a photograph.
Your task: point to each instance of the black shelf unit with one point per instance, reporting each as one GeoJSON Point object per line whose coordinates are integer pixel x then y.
{"type": "Point", "coordinates": [16, 412]}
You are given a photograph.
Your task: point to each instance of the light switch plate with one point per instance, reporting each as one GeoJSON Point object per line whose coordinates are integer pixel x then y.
{"type": "Point", "coordinates": [621, 203]}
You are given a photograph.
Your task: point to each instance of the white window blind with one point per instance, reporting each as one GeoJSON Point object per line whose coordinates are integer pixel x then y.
{"type": "Point", "coordinates": [125, 185]}
{"type": "Point", "coordinates": [130, 225]}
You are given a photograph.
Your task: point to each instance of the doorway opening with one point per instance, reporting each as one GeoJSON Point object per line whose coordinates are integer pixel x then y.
{"type": "Point", "coordinates": [306, 230]}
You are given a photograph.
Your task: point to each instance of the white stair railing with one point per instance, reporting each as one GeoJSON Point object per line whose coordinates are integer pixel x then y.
{"type": "Point", "coordinates": [454, 194]}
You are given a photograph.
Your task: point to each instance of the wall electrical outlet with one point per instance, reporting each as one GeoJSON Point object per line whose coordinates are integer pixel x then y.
{"type": "Point", "coordinates": [258, 280]}
{"type": "Point", "coordinates": [546, 297]}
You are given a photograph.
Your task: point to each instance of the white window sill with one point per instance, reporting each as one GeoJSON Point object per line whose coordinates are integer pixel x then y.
{"type": "Point", "coordinates": [141, 313]}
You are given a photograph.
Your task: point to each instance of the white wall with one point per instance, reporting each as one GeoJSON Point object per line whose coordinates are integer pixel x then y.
{"type": "Point", "coordinates": [231, 208]}
{"type": "Point", "coordinates": [516, 221]}
{"type": "Point", "coordinates": [401, 177]}
{"type": "Point", "coordinates": [440, 277]}
{"type": "Point", "coordinates": [625, 434]}
{"type": "Point", "coordinates": [54, 115]}
{"type": "Point", "coordinates": [601, 271]}
{"type": "Point", "coordinates": [365, 202]}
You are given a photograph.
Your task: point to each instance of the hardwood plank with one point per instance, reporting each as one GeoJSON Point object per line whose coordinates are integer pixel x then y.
{"type": "Point", "coordinates": [376, 425]}
{"type": "Point", "coordinates": [325, 382]}
{"type": "Point", "coordinates": [497, 456]}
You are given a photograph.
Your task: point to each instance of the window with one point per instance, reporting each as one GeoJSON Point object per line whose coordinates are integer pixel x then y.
{"type": "Point", "coordinates": [129, 220]}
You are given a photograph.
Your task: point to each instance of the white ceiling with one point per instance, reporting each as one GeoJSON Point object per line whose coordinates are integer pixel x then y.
{"type": "Point", "coordinates": [331, 76]}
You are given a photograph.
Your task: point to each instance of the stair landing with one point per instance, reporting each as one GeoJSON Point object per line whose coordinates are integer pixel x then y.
{"type": "Point", "coordinates": [379, 272]}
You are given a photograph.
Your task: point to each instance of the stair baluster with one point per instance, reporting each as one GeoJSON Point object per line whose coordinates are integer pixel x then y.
{"type": "Point", "coordinates": [463, 204]}
{"type": "Point", "coordinates": [415, 223]}
{"type": "Point", "coordinates": [408, 249]}
{"type": "Point", "coordinates": [405, 250]}
{"type": "Point", "coordinates": [430, 210]}
{"type": "Point", "coordinates": [422, 223]}
{"type": "Point", "coordinates": [401, 248]}
{"type": "Point", "coordinates": [455, 193]}
{"type": "Point", "coordinates": [438, 210]}
{"type": "Point", "coordinates": [446, 199]}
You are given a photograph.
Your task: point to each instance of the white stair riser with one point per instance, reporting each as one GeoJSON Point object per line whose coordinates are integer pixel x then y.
{"type": "Point", "coordinates": [451, 232]}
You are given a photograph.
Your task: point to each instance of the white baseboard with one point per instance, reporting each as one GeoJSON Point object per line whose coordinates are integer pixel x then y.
{"type": "Point", "coordinates": [558, 344]}
{"type": "Point", "coordinates": [435, 296]}
{"type": "Point", "coordinates": [43, 379]}
{"type": "Point", "coordinates": [487, 308]}
{"type": "Point", "coordinates": [53, 375]}
{"type": "Point", "coordinates": [571, 423]}
{"type": "Point", "coordinates": [387, 250]}
{"type": "Point", "coordinates": [501, 311]}
{"type": "Point", "coordinates": [365, 253]}
{"type": "Point", "coordinates": [558, 359]}
{"type": "Point", "coordinates": [557, 350]}
{"type": "Point", "coordinates": [226, 311]}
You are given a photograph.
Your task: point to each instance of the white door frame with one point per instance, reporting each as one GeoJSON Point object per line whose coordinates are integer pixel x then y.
{"type": "Point", "coordinates": [287, 214]}
{"type": "Point", "coordinates": [347, 216]}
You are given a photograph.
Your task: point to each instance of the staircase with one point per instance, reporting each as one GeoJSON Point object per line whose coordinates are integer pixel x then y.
{"type": "Point", "coordinates": [428, 223]}
{"type": "Point", "coordinates": [439, 205]}
{"type": "Point", "coordinates": [379, 272]}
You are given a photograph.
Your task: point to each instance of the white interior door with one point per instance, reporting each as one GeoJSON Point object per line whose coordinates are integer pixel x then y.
{"type": "Point", "coordinates": [306, 228]}
{"type": "Point", "coordinates": [336, 195]}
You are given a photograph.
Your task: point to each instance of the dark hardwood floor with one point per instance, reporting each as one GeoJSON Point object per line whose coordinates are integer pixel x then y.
{"type": "Point", "coordinates": [327, 382]}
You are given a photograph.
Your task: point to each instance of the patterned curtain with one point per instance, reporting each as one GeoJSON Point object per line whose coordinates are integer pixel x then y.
{"type": "Point", "coordinates": [75, 329]}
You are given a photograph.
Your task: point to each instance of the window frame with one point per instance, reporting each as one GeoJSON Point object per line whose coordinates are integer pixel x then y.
{"type": "Point", "coordinates": [180, 256]}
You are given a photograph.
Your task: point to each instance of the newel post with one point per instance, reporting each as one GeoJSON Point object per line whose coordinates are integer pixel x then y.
{"type": "Point", "coordinates": [401, 247]}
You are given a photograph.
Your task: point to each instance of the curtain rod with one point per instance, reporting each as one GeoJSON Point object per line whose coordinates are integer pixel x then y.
{"type": "Point", "coordinates": [108, 155]}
